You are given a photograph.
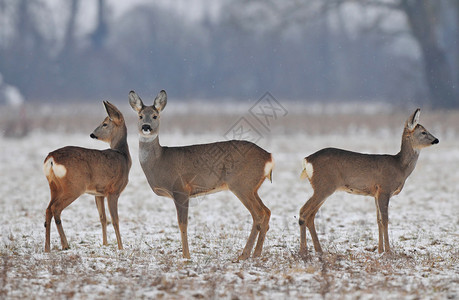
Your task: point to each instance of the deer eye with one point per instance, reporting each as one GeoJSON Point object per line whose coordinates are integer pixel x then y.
{"type": "Point", "coordinates": [423, 133]}
{"type": "Point", "coordinates": [104, 125]}
{"type": "Point", "coordinates": [155, 117]}
{"type": "Point", "coordinates": [140, 117]}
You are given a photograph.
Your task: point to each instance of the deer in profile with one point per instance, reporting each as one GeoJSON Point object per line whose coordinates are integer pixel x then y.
{"type": "Point", "coordinates": [379, 176]}
{"type": "Point", "coordinates": [184, 172]}
{"type": "Point", "coordinates": [73, 171]}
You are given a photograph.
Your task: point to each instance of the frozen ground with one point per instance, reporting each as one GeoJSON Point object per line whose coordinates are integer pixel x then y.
{"type": "Point", "coordinates": [424, 218]}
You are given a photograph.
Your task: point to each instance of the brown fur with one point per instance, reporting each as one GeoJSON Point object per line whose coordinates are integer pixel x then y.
{"type": "Point", "coordinates": [103, 174]}
{"type": "Point", "coordinates": [380, 176]}
{"type": "Point", "coordinates": [184, 172]}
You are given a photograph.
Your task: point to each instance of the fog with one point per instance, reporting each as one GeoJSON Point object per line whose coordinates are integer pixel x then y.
{"type": "Point", "coordinates": [393, 51]}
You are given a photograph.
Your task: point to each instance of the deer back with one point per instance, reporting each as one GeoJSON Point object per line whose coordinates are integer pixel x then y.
{"type": "Point", "coordinates": [87, 170]}
{"type": "Point", "coordinates": [205, 168]}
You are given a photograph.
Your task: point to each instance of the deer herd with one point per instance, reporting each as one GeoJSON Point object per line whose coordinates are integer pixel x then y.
{"type": "Point", "coordinates": [181, 173]}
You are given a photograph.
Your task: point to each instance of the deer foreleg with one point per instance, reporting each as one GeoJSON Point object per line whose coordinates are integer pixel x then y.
{"type": "Point", "coordinates": [383, 206]}
{"type": "Point", "coordinates": [181, 204]}
{"type": "Point", "coordinates": [103, 219]}
{"type": "Point", "coordinates": [112, 201]}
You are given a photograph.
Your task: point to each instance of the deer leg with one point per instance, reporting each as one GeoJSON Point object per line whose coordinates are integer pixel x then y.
{"type": "Point", "coordinates": [264, 227]}
{"type": "Point", "coordinates": [307, 215]}
{"type": "Point", "coordinates": [250, 241]}
{"type": "Point", "coordinates": [256, 211]}
{"type": "Point", "coordinates": [383, 204]}
{"type": "Point", "coordinates": [182, 202]}
{"type": "Point", "coordinates": [103, 219]}
{"type": "Point", "coordinates": [58, 203]}
{"type": "Point", "coordinates": [380, 228]}
{"type": "Point", "coordinates": [56, 210]}
{"type": "Point", "coordinates": [304, 212]}
{"type": "Point", "coordinates": [112, 201]}
{"type": "Point", "coordinates": [49, 215]}
{"type": "Point", "coordinates": [312, 230]}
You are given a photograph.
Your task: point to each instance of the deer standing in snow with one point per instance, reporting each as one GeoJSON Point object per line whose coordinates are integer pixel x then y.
{"type": "Point", "coordinates": [183, 172]}
{"type": "Point", "coordinates": [73, 171]}
{"type": "Point", "coordinates": [380, 176]}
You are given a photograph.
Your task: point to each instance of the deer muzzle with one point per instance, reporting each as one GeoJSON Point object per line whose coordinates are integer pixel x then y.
{"type": "Point", "coordinates": [146, 129]}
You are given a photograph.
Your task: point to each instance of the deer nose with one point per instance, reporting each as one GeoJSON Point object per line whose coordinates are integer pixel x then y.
{"type": "Point", "coordinates": [92, 135]}
{"type": "Point", "coordinates": [436, 141]}
{"type": "Point", "coordinates": [146, 127]}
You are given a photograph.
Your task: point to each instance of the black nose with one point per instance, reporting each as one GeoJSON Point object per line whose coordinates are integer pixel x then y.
{"type": "Point", "coordinates": [435, 142]}
{"type": "Point", "coordinates": [93, 136]}
{"type": "Point", "coordinates": [146, 127]}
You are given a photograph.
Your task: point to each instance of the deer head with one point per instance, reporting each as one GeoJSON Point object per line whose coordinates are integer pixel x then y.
{"type": "Point", "coordinates": [148, 122]}
{"type": "Point", "coordinates": [416, 134]}
{"type": "Point", "coordinates": [110, 126]}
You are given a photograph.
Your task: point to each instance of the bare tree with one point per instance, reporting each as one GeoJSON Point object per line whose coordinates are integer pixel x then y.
{"type": "Point", "coordinates": [69, 38]}
{"type": "Point", "coordinates": [422, 16]}
{"type": "Point", "coordinates": [422, 22]}
{"type": "Point", "coordinates": [456, 4]}
{"type": "Point", "coordinates": [101, 31]}
{"type": "Point", "coordinates": [27, 51]}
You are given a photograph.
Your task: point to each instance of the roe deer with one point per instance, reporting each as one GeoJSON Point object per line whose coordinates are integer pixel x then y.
{"type": "Point", "coordinates": [183, 172]}
{"type": "Point", "coordinates": [73, 171]}
{"type": "Point", "coordinates": [380, 176]}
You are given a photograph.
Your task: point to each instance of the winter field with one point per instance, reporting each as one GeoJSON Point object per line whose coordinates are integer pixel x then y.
{"type": "Point", "coordinates": [423, 226]}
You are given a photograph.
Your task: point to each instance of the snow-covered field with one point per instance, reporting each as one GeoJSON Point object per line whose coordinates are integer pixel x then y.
{"type": "Point", "coordinates": [424, 217]}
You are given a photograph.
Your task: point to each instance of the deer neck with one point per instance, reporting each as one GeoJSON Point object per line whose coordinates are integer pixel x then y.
{"type": "Point", "coordinates": [149, 149]}
{"type": "Point", "coordinates": [408, 155]}
{"type": "Point", "coordinates": [120, 144]}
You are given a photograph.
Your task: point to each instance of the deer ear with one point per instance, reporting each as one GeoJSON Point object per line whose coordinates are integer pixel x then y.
{"type": "Point", "coordinates": [413, 120]}
{"type": "Point", "coordinates": [160, 101]}
{"type": "Point", "coordinates": [113, 113]}
{"type": "Point", "coordinates": [135, 101]}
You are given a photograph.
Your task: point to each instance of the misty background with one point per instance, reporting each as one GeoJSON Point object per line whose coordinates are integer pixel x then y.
{"type": "Point", "coordinates": [402, 52]}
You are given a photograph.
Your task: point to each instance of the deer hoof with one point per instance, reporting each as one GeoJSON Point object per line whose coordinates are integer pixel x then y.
{"type": "Point", "coordinates": [243, 256]}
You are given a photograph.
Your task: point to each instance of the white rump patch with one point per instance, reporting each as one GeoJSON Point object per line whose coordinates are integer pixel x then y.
{"type": "Point", "coordinates": [58, 170]}
{"type": "Point", "coordinates": [269, 167]}
{"type": "Point", "coordinates": [307, 166]}
{"type": "Point", "coordinates": [47, 166]}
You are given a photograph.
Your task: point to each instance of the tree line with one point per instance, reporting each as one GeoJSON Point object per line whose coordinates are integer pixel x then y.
{"type": "Point", "coordinates": [311, 51]}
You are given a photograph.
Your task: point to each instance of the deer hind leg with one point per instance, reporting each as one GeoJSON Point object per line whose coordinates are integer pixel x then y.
{"type": "Point", "coordinates": [307, 215]}
{"type": "Point", "coordinates": [59, 201]}
{"type": "Point", "coordinates": [49, 216]}
{"type": "Point", "coordinates": [112, 201]}
{"type": "Point", "coordinates": [182, 202]}
{"type": "Point", "coordinates": [56, 210]}
{"type": "Point", "coordinates": [380, 228]}
{"type": "Point", "coordinates": [103, 219]}
{"type": "Point", "coordinates": [263, 228]}
{"type": "Point", "coordinates": [257, 212]}
{"type": "Point", "coordinates": [383, 208]}
{"type": "Point", "coordinates": [57, 207]}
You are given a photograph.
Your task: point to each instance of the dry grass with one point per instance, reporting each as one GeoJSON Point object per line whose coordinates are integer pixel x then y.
{"type": "Point", "coordinates": [423, 218]}
{"type": "Point", "coordinates": [192, 119]}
